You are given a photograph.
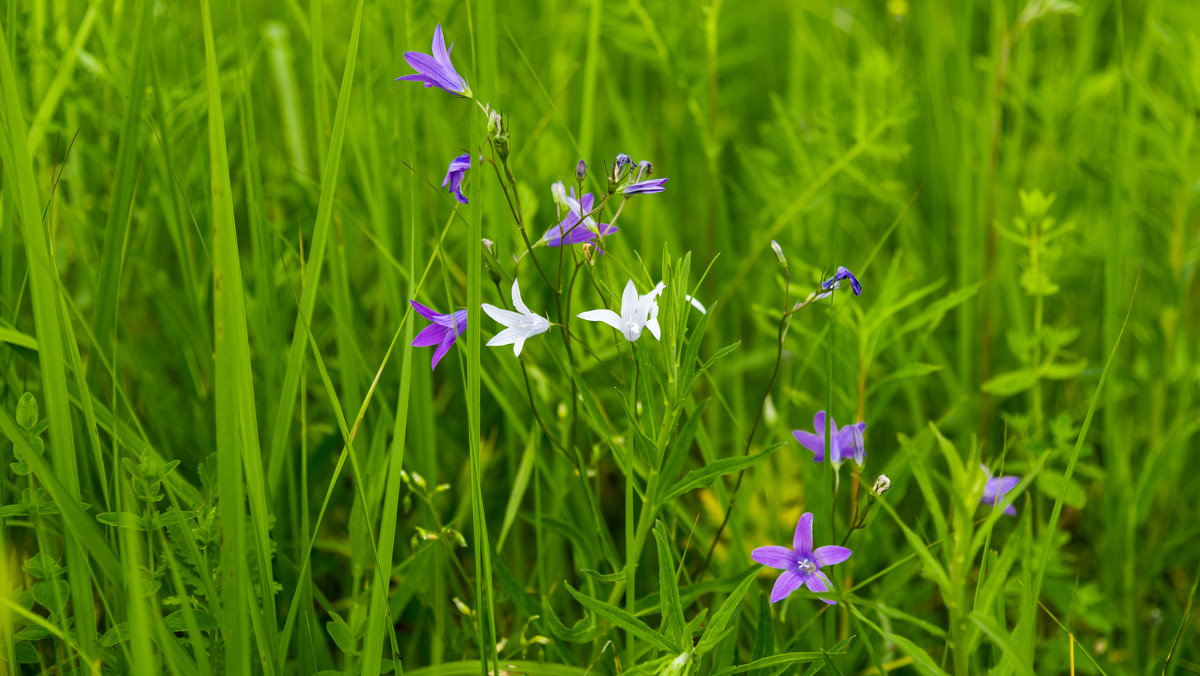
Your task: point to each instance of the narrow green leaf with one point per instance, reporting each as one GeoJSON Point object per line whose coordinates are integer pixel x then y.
{"type": "Point", "coordinates": [716, 628]}
{"type": "Point", "coordinates": [669, 588]}
{"type": "Point", "coordinates": [704, 476]}
{"type": "Point", "coordinates": [624, 620]}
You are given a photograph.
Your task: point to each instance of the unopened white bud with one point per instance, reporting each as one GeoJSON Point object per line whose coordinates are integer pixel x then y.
{"type": "Point", "coordinates": [882, 484]}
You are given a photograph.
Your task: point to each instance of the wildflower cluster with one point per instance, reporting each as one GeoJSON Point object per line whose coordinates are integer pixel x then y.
{"type": "Point", "coordinates": [578, 223]}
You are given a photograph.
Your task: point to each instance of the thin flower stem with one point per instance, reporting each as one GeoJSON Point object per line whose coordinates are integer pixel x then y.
{"type": "Point", "coordinates": [630, 550]}
{"type": "Point", "coordinates": [784, 322]}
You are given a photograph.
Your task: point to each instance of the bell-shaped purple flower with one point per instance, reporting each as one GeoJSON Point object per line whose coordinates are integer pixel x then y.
{"type": "Point", "coordinates": [845, 443]}
{"type": "Point", "coordinates": [436, 70]}
{"type": "Point", "coordinates": [444, 330]}
{"type": "Point", "coordinates": [570, 231]}
{"type": "Point", "coordinates": [454, 176]}
{"type": "Point", "coordinates": [996, 487]}
{"type": "Point", "coordinates": [801, 565]}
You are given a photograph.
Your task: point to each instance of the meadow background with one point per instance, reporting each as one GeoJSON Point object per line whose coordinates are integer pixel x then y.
{"type": "Point", "coordinates": [232, 461]}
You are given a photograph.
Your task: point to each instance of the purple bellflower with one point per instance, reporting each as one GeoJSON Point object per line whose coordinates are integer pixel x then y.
{"type": "Point", "coordinates": [647, 187]}
{"type": "Point", "coordinates": [454, 176]}
{"type": "Point", "coordinates": [436, 70]}
{"type": "Point", "coordinates": [444, 330]}
{"type": "Point", "coordinates": [836, 281]}
{"type": "Point", "coordinates": [846, 442]}
{"type": "Point", "coordinates": [995, 489]}
{"type": "Point", "coordinates": [570, 230]}
{"type": "Point", "coordinates": [801, 565]}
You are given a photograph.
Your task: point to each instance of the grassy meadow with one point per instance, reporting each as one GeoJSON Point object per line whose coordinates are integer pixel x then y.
{"type": "Point", "coordinates": [224, 454]}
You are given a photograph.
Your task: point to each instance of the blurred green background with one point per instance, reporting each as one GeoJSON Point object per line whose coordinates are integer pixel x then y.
{"type": "Point", "coordinates": [1000, 176]}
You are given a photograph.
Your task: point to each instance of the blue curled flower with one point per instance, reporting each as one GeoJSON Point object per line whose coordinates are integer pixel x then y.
{"type": "Point", "coordinates": [454, 176]}
{"type": "Point", "coordinates": [836, 281]}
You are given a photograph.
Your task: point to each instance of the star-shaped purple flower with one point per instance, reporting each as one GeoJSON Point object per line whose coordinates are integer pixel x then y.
{"type": "Point", "coordinates": [801, 564]}
{"type": "Point", "coordinates": [436, 70]}
{"type": "Point", "coordinates": [648, 187]}
{"type": "Point", "coordinates": [836, 280]}
{"type": "Point", "coordinates": [444, 330]}
{"type": "Point", "coordinates": [847, 442]}
{"type": "Point", "coordinates": [570, 230]}
{"type": "Point", "coordinates": [454, 176]}
{"type": "Point", "coordinates": [995, 489]}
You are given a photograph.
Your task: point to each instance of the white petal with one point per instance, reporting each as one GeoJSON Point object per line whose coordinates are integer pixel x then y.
{"type": "Point", "coordinates": [652, 326]}
{"type": "Point", "coordinates": [506, 337]}
{"type": "Point", "coordinates": [517, 302]}
{"type": "Point", "coordinates": [696, 304]}
{"type": "Point", "coordinates": [607, 316]}
{"type": "Point", "coordinates": [629, 299]}
{"type": "Point", "coordinates": [517, 345]}
{"type": "Point", "coordinates": [505, 317]}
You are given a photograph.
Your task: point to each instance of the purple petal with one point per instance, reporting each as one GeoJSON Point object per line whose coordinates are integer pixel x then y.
{"type": "Point", "coordinates": [815, 584]}
{"type": "Point", "coordinates": [650, 187]}
{"type": "Point", "coordinates": [775, 557]}
{"type": "Point", "coordinates": [442, 349]}
{"type": "Point", "coordinates": [439, 48]}
{"type": "Point", "coordinates": [430, 335]}
{"type": "Point", "coordinates": [829, 555]}
{"type": "Point", "coordinates": [425, 312]}
{"type": "Point", "coordinates": [787, 583]}
{"type": "Point", "coordinates": [458, 322]}
{"type": "Point", "coordinates": [802, 542]}
{"type": "Point", "coordinates": [819, 423]}
{"type": "Point", "coordinates": [819, 584]}
{"type": "Point", "coordinates": [812, 442]}
{"type": "Point", "coordinates": [995, 489]}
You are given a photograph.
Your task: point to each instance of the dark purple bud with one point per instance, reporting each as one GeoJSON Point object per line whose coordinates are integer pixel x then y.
{"type": "Point", "coordinates": [580, 171]}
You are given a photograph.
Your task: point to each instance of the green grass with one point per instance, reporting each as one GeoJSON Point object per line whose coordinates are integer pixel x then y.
{"type": "Point", "coordinates": [227, 456]}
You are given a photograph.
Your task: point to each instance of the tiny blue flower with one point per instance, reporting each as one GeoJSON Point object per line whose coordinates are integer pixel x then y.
{"type": "Point", "coordinates": [836, 281]}
{"type": "Point", "coordinates": [995, 489]}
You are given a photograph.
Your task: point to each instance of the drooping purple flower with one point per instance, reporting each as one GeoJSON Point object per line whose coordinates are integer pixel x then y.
{"type": "Point", "coordinates": [444, 330]}
{"type": "Point", "coordinates": [995, 489]}
{"type": "Point", "coordinates": [454, 176]}
{"type": "Point", "coordinates": [570, 230]}
{"type": "Point", "coordinates": [836, 281]}
{"type": "Point", "coordinates": [845, 443]}
{"type": "Point", "coordinates": [801, 565]}
{"type": "Point", "coordinates": [648, 187]}
{"type": "Point", "coordinates": [436, 70]}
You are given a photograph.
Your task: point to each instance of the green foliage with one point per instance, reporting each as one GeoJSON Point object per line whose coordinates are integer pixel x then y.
{"type": "Point", "coordinates": [228, 457]}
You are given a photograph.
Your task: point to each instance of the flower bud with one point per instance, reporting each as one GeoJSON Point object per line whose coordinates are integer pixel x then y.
{"type": "Point", "coordinates": [645, 168]}
{"type": "Point", "coordinates": [882, 484]}
{"type": "Point", "coordinates": [489, 246]}
{"type": "Point", "coordinates": [779, 255]}
{"type": "Point", "coordinates": [620, 168]}
{"type": "Point", "coordinates": [498, 133]}
{"type": "Point", "coordinates": [494, 121]}
{"type": "Point", "coordinates": [580, 171]}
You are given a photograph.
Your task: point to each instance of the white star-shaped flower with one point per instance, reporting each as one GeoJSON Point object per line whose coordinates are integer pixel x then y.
{"type": "Point", "coordinates": [519, 326]}
{"type": "Point", "coordinates": [637, 313]}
